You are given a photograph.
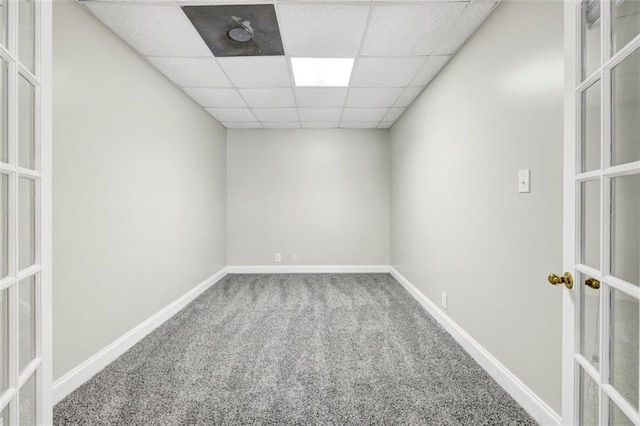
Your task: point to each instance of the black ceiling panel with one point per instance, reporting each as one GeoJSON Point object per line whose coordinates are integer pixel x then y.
{"type": "Point", "coordinates": [214, 23]}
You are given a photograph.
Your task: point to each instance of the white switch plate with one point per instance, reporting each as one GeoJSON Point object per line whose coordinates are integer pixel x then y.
{"type": "Point", "coordinates": [524, 179]}
{"type": "Point", "coordinates": [444, 300]}
{"type": "Point", "coordinates": [294, 257]}
{"type": "Point", "coordinates": [278, 257]}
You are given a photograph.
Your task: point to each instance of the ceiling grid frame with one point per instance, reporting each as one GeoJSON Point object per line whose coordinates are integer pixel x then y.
{"type": "Point", "coordinates": [461, 28]}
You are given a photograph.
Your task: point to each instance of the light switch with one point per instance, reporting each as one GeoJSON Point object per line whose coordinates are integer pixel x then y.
{"type": "Point", "coordinates": [524, 178]}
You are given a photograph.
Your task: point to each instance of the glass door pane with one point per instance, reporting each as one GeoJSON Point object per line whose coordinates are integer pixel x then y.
{"type": "Point", "coordinates": [4, 142]}
{"type": "Point", "coordinates": [591, 47]}
{"type": "Point", "coordinates": [28, 402]}
{"type": "Point", "coordinates": [588, 399]}
{"type": "Point", "coordinates": [27, 322]}
{"type": "Point", "coordinates": [27, 33]}
{"type": "Point", "coordinates": [591, 117]}
{"type": "Point", "coordinates": [4, 225]}
{"type": "Point", "coordinates": [617, 417]}
{"type": "Point", "coordinates": [624, 345]}
{"type": "Point", "coordinates": [4, 331]}
{"type": "Point", "coordinates": [626, 110]}
{"type": "Point", "coordinates": [626, 22]}
{"type": "Point", "coordinates": [625, 228]}
{"type": "Point", "coordinates": [590, 323]}
{"type": "Point", "coordinates": [26, 124]}
{"type": "Point", "coordinates": [590, 219]}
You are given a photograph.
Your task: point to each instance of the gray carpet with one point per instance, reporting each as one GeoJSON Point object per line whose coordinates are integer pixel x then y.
{"type": "Point", "coordinates": [326, 349]}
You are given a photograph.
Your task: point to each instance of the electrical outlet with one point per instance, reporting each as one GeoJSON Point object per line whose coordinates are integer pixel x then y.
{"type": "Point", "coordinates": [278, 257]}
{"type": "Point", "coordinates": [444, 300]}
{"type": "Point", "coordinates": [294, 257]}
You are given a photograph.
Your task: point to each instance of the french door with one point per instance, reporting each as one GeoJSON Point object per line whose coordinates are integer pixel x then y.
{"type": "Point", "coordinates": [25, 212]}
{"type": "Point", "coordinates": [601, 213]}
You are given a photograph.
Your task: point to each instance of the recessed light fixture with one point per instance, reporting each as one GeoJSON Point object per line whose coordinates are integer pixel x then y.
{"type": "Point", "coordinates": [334, 72]}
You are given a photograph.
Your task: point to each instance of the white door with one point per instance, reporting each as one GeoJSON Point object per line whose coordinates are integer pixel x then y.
{"type": "Point", "coordinates": [601, 213]}
{"type": "Point", "coordinates": [25, 212]}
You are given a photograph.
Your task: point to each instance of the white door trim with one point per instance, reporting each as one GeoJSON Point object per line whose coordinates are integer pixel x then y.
{"type": "Point", "coordinates": [46, 209]}
{"type": "Point", "coordinates": [571, 48]}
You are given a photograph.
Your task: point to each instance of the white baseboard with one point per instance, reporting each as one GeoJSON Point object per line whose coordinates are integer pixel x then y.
{"type": "Point", "coordinates": [524, 396]}
{"type": "Point", "coordinates": [308, 269]}
{"type": "Point", "coordinates": [85, 371]}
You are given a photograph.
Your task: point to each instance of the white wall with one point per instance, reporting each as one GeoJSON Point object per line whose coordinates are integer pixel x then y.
{"type": "Point", "coordinates": [321, 194]}
{"type": "Point", "coordinates": [458, 224]}
{"type": "Point", "coordinates": [139, 189]}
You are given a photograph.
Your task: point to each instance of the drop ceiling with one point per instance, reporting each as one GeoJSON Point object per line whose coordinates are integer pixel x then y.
{"type": "Point", "coordinates": [398, 46]}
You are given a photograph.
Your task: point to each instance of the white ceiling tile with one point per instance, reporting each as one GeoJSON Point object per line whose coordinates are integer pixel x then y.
{"type": "Point", "coordinates": [373, 97]}
{"type": "Point", "coordinates": [321, 97]}
{"type": "Point", "coordinates": [257, 71]}
{"type": "Point", "coordinates": [385, 124]}
{"type": "Point", "coordinates": [363, 114]}
{"type": "Point", "coordinates": [242, 125]}
{"type": "Point", "coordinates": [268, 98]}
{"type": "Point", "coordinates": [408, 96]}
{"type": "Point", "coordinates": [320, 124]}
{"type": "Point", "coordinates": [232, 114]}
{"type": "Point", "coordinates": [320, 114]}
{"type": "Point", "coordinates": [470, 20]}
{"type": "Point", "coordinates": [359, 125]}
{"type": "Point", "coordinates": [153, 30]}
{"type": "Point", "coordinates": [431, 67]}
{"type": "Point", "coordinates": [216, 98]}
{"type": "Point", "coordinates": [323, 30]}
{"type": "Point", "coordinates": [385, 72]}
{"type": "Point", "coordinates": [192, 72]}
{"type": "Point", "coordinates": [280, 125]}
{"type": "Point", "coordinates": [393, 114]}
{"type": "Point", "coordinates": [276, 114]}
{"type": "Point", "coordinates": [409, 29]}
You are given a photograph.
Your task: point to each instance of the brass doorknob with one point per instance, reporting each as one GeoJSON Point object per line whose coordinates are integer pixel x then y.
{"type": "Point", "coordinates": [566, 279]}
{"type": "Point", "coordinates": [593, 283]}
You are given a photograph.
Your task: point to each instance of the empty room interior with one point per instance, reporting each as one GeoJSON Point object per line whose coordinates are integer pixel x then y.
{"type": "Point", "coordinates": [328, 212]}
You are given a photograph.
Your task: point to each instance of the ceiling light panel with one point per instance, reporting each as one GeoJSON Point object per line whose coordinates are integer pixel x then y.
{"type": "Point", "coordinates": [334, 72]}
{"type": "Point", "coordinates": [153, 30]}
{"type": "Point", "coordinates": [276, 114]}
{"type": "Point", "coordinates": [257, 71]}
{"type": "Point", "coordinates": [216, 98]}
{"type": "Point", "coordinates": [431, 67]}
{"type": "Point", "coordinates": [321, 97]}
{"type": "Point", "coordinates": [269, 98]}
{"type": "Point", "coordinates": [373, 97]}
{"type": "Point", "coordinates": [473, 16]}
{"type": "Point", "coordinates": [232, 114]}
{"type": "Point", "coordinates": [409, 29]}
{"type": "Point", "coordinates": [386, 72]}
{"type": "Point", "coordinates": [363, 114]}
{"type": "Point", "coordinates": [320, 114]}
{"type": "Point", "coordinates": [192, 72]}
{"type": "Point", "coordinates": [323, 30]}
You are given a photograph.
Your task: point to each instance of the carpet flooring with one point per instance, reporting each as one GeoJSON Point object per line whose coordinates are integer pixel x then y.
{"type": "Point", "coordinates": [324, 349]}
